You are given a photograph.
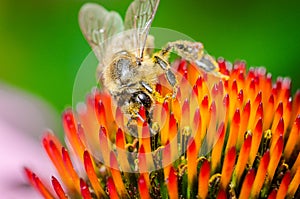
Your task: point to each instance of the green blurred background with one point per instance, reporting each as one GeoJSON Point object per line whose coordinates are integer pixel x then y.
{"type": "Point", "coordinates": [41, 46]}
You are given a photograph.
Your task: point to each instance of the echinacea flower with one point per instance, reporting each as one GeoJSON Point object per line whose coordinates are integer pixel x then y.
{"type": "Point", "coordinates": [235, 138]}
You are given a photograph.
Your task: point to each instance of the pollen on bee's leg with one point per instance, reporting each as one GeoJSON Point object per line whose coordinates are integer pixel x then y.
{"type": "Point", "coordinates": [160, 98]}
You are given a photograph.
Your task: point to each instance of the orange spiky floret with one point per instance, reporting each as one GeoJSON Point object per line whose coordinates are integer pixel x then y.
{"type": "Point", "coordinates": [218, 139]}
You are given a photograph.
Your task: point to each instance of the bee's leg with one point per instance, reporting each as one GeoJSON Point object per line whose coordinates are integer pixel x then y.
{"type": "Point", "coordinates": [194, 53]}
{"type": "Point", "coordinates": [170, 76]}
{"type": "Point", "coordinates": [151, 90]}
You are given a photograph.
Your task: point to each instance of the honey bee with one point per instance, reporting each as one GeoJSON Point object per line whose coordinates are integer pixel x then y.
{"type": "Point", "coordinates": [127, 67]}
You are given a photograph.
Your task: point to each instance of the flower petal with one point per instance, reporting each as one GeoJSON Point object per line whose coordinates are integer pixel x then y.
{"type": "Point", "coordinates": [22, 117]}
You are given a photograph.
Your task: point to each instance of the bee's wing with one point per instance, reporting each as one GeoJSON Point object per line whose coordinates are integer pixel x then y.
{"type": "Point", "coordinates": [97, 25]}
{"type": "Point", "coordinates": [139, 17]}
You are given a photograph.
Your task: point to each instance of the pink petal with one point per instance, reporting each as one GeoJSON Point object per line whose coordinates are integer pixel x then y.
{"type": "Point", "coordinates": [27, 112]}
{"type": "Point", "coordinates": [22, 118]}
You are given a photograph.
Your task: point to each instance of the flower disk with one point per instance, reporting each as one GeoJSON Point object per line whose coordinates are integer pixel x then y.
{"type": "Point", "coordinates": [235, 138]}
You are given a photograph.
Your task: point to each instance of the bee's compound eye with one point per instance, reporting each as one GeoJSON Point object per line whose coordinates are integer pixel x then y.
{"type": "Point", "coordinates": [143, 99]}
